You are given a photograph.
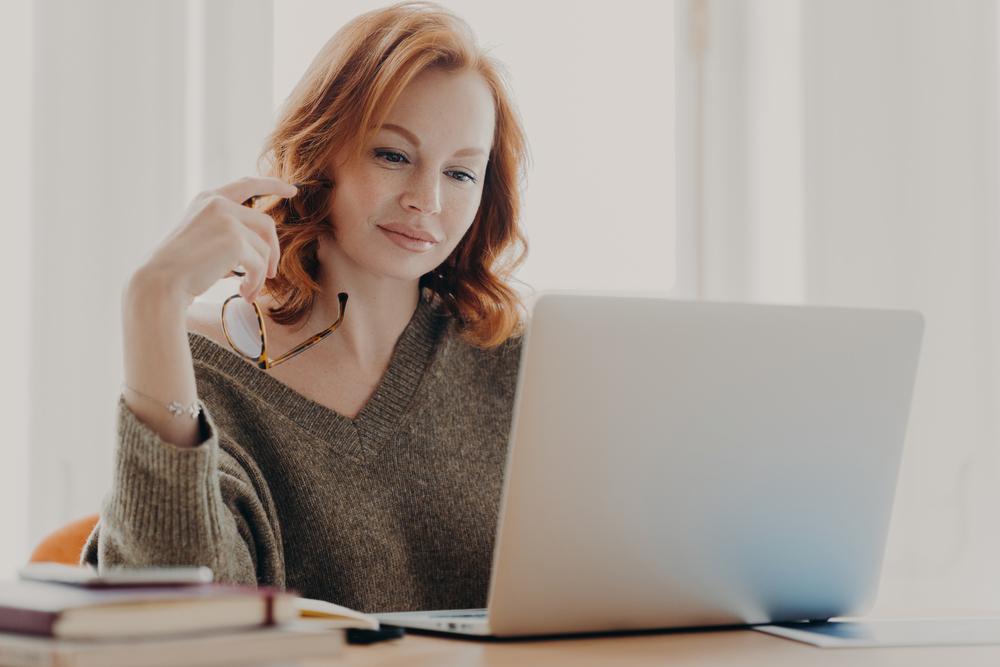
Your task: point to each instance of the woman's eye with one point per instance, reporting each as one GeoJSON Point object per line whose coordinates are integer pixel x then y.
{"type": "Point", "coordinates": [390, 156]}
{"type": "Point", "coordinates": [469, 178]}
{"type": "Point", "coordinates": [398, 158]}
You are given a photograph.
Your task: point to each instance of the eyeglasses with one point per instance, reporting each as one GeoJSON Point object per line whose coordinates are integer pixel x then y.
{"type": "Point", "coordinates": [243, 323]}
{"type": "Point", "coordinates": [304, 185]}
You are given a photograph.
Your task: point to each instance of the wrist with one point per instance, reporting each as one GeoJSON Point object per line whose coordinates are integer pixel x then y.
{"type": "Point", "coordinates": [150, 290]}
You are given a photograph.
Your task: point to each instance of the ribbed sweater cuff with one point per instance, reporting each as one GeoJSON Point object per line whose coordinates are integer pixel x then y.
{"type": "Point", "coordinates": [165, 500]}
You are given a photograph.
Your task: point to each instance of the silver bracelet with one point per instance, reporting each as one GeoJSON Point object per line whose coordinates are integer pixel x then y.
{"type": "Point", "coordinates": [175, 407]}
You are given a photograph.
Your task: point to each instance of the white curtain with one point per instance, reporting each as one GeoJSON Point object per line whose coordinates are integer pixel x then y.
{"type": "Point", "coordinates": [845, 153]}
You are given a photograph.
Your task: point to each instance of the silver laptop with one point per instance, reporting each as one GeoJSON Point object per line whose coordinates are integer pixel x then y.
{"type": "Point", "coordinates": [676, 464]}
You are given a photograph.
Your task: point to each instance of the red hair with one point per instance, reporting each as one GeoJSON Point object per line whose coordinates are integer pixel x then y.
{"type": "Point", "coordinates": [339, 104]}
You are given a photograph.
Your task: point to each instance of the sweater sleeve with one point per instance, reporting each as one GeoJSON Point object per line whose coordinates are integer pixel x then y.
{"type": "Point", "coordinates": [172, 505]}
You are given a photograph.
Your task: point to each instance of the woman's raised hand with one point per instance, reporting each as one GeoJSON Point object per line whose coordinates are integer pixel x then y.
{"type": "Point", "coordinates": [216, 234]}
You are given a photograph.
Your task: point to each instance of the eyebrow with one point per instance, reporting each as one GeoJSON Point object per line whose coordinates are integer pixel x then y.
{"type": "Point", "coordinates": [412, 138]}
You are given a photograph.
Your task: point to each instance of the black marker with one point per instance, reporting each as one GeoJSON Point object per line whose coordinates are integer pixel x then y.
{"type": "Point", "coordinates": [363, 636]}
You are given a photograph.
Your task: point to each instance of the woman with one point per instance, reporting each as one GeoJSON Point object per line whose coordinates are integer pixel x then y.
{"type": "Point", "coordinates": [366, 468]}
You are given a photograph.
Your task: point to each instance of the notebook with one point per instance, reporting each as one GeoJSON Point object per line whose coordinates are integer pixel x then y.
{"type": "Point", "coordinates": [250, 647]}
{"type": "Point", "coordinates": [74, 612]}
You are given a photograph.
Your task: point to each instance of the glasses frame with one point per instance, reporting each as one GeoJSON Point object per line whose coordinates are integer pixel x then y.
{"type": "Point", "coordinates": [322, 182]}
{"type": "Point", "coordinates": [263, 361]}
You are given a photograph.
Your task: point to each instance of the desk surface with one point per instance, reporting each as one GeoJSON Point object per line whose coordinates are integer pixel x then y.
{"type": "Point", "coordinates": [729, 647]}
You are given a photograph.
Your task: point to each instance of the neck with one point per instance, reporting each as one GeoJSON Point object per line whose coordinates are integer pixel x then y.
{"type": "Point", "coordinates": [378, 310]}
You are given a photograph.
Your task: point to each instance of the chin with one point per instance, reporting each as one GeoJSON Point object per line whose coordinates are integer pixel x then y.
{"type": "Point", "coordinates": [403, 270]}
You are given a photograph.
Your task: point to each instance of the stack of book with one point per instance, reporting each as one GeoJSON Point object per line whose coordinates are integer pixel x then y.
{"type": "Point", "coordinates": [60, 616]}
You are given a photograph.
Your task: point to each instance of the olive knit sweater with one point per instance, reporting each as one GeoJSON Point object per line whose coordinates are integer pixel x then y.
{"type": "Point", "coordinates": [395, 509]}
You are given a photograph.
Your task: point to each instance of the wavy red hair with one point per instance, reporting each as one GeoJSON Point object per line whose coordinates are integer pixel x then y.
{"type": "Point", "coordinates": [340, 102]}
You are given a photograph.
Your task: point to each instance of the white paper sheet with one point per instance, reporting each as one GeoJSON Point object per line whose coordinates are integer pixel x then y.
{"type": "Point", "coordinates": [895, 632]}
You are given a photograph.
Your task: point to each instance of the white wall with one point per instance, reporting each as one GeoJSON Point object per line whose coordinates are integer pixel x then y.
{"type": "Point", "coordinates": [107, 181]}
{"type": "Point", "coordinates": [740, 156]}
{"type": "Point", "coordinates": [594, 84]}
{"type": "Point", "coordinates": [15, 339]}
{"type": "Point", "coordinates": [901, 210]}
{"type": "Point", "coordinates": [137, 106]}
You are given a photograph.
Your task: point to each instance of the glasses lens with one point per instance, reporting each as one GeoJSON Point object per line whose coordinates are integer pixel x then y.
{"type": "Point", "coordinates": [240, 319]}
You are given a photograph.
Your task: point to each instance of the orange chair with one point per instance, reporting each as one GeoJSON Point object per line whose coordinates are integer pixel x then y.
{"type": "Point", "coordinates": [65, 544]}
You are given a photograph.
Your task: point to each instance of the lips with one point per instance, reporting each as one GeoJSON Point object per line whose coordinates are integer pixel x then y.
{"type": "Point", "coordinates": [410, 232]}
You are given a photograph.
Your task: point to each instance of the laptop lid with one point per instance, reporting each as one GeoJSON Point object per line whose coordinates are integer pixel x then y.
{"type": "Point", "coordinates": [682, 463]}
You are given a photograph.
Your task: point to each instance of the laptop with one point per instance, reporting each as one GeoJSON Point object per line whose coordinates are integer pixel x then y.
{"type": "Point", "coordinates": [678, 464]}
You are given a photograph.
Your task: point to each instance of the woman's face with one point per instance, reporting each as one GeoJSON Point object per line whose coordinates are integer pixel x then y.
{"type": "Point", "coordinates": [400, 209]}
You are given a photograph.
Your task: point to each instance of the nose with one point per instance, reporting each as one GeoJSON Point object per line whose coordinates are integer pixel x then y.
{"type": "Point", "coordinates": [422, 193]}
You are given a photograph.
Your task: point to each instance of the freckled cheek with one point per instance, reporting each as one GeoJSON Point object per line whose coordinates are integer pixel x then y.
{"type": "Point", "coordinates": [360, 198]}
{"type": "Point", "coordinates": [459, 224]}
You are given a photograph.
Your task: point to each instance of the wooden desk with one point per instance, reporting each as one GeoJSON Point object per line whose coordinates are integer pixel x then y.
{"type": "Point", "coordinates": [743, 648]}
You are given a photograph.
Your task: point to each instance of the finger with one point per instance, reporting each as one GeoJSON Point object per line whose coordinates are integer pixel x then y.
{"type": "Point", "coordinates": [250, 186]}
{"type": "Point", "coordinates": [246, 239]}
{"type": "Point", "coordinates": [255, 264]}
{"type": "Point", "coordinates": [261, 224]}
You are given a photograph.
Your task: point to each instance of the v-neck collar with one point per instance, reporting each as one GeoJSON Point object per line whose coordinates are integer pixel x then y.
{"type": "Point", "coordinates": [381, 415]}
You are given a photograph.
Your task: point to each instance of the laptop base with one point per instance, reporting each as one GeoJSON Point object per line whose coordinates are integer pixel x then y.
{"type": "Point", "coordinates": [456, 621]}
